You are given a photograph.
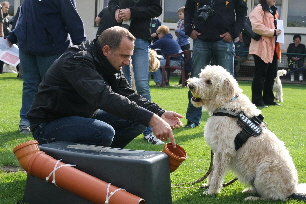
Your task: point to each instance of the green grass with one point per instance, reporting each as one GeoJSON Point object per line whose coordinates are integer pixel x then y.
{"type": "Point", "coordinates": [287, 122]}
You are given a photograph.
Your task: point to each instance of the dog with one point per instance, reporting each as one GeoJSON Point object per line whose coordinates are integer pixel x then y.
{"type": "Point", "coordinates": [154, 62]}
{"type": "Point", "coordinates": [262, 162]}
{"type": "Point", "coordinates": [277, 86]}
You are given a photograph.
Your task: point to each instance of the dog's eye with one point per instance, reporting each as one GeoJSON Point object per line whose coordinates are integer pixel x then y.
{"type": "Point", "coordinates": [208, 82]}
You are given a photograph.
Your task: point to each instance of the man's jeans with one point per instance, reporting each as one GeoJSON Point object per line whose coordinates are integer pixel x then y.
{"type": "Point", "coordinates": [222, 53]}
{"type": "Point", "coordinates": [104, 129]}
{"type": "Point", "coordinates": [34, 68]}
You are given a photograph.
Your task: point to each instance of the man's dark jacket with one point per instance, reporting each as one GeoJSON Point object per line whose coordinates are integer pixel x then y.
{"type": "Point", "coordinates": [82, 81]}
{"type": "Point", "coordinates": [228, 16]}
{"type": "Point", "coordinates": [142, 11]}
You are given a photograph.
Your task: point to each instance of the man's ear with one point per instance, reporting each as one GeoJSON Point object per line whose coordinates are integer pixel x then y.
{"type": "Point", "coordinates": [106, 50]}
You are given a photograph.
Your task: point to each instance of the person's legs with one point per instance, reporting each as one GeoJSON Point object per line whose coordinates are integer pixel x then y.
{"type": "Point", "coordinates": [75, 129]}
{"type": "Point", "coordinates": [201, 57]}
{"type": "Point", "coordinates": [158, 73]}
{"type": "Point", "coordinates": [268, 96]}
{"type": "Point", "coordinates": [33, 68]}
{"type": "Point", "coordinates": [224, 55]}
{"type": "Point", "coordinates": [140, 61]}
{"type": "Point", "coordinates": [258, 81]}
{"type": "Point", "coordinates": [125, 131]}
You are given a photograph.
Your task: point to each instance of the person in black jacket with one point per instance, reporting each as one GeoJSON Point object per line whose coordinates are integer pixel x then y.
{"type": "Point", "coordinates": [45, 29]}
{"type": "Point", "coordinates": [105, 20]}
{"type": "Point", "coordinates": [136, 16]}
{"type": "Point", "coordinates": [84, 97]}
{"type": "Point", "coordinates": [213, 25]}
{"type": "Point", "coordinates": [295, 60]}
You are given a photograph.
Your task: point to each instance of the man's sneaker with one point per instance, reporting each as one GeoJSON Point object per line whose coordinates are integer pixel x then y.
{"type": "Point", "coordinates": [190, 125]}
{"type": "Point", "coordinates": [24, 129]}
{"type": "Point", "coordinates": [153, 139]}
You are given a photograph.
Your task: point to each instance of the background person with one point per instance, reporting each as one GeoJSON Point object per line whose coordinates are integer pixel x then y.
{"type": "Point", "coordinates": [105, 20]}
{"type": "Point", "coordinates": [155, 23]}
{"type": "Point", "coordinates": [213, 28]}
{"type": "Point", "coordinates": [84, 97]}
{"type": "Point", "coordinates": [296, 61]}
{"type": "Point", "coordinates": [182, 38]}
{"type": "Point", "coordinates": [41, 43]}
{"type": "Point", "coordinates": [241, 54]}
{"type": "Point", "coordinates": [265, 51]}
{"type": "Point", "coordinates": [138, 14]}
{"type": "Point", "coordinates": [167, 45]}
{"type": "Point", "coordinates": [4, 24]}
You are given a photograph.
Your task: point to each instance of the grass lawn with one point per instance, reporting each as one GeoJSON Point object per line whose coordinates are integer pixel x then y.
{"type": "Point", "coordinates": [286, 121]}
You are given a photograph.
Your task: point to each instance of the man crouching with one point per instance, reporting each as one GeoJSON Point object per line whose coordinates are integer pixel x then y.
{"type": "Point", "coordinates": [84, 97]}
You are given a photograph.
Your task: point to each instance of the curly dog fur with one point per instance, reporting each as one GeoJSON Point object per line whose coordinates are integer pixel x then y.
{"type": "Point", "coordinates": [262, 163]}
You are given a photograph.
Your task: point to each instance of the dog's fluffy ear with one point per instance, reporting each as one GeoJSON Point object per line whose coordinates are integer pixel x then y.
{"type": "Point", "coordinates": [227, 91]}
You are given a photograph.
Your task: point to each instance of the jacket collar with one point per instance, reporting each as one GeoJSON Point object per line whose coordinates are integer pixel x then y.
{"type": "Point", "coordinates": [104, 66]}
{"type": "Point", "coordinates": [265, 7]}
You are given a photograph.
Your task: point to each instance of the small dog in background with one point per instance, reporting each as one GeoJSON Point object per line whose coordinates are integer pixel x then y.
{"type": "Point", "coordinates": [277, 87]}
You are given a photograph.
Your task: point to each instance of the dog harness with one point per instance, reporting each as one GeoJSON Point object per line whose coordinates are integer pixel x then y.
{"type": "Point", "coordinates": [251, 127]}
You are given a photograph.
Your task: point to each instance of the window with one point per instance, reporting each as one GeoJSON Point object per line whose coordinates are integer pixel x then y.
{"type": "Point", "coordinates": [296, 13]}
{"type": "Point", "coordinates": [170, 10]}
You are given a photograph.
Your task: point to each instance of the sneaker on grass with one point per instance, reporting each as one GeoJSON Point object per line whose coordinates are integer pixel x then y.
{"type": "Point", "coordinates": [153, 139]}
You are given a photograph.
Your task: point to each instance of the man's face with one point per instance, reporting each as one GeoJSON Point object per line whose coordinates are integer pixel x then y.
{"type": "Point", "coordinates": [122, 55]}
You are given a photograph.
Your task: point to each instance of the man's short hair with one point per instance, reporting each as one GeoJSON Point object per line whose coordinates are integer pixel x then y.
{"type": "Point", "coordinates": [162, 29]}
{"type": "Point", "coordinates": [113, 37]}
{"type": "Point", "coordinates": [181, 10]}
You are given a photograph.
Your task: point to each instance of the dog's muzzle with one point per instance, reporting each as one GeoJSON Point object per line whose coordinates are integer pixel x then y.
{"type": "Point", "coordinates": [191, 88]}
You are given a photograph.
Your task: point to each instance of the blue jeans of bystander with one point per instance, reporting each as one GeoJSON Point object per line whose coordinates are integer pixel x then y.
{"type": "Point", "coordinates": [34, 68]}
{"type": "Point", "coordinates": [140, 62]}
{"type": "Point", "coordinates": [222, 53]}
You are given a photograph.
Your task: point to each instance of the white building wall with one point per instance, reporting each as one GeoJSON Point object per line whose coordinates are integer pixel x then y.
{"type": "Point", "coordinates": [86, 10]}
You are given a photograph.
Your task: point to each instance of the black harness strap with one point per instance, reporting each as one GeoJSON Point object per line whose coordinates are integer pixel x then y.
{"type": "Point", "coordinates": [250, 127]}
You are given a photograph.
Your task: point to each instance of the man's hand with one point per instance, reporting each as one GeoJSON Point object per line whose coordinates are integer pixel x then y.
{"type": "Point", "coordinates": [161, 129]}
{"type": "Point", "coordinates": [227, 37]}
{"type": "Point", "coordinates": [124, 14]}
{"type": "Point", "coordinates": [118, 19]}
{"type": "Point", "coordinates": [172, 118]}
{"type": "Point", "coordinates": [194, 34]}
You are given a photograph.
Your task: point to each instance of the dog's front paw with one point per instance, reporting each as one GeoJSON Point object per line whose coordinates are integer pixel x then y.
{"type": "Point", "coordinates": [208, 194]}
{"type": "Point", "coordinates": [252, 198]}
{"type": "Point", "coordinates": [213, 191]}
{"type": "Point", "coordinates": [249, 190]}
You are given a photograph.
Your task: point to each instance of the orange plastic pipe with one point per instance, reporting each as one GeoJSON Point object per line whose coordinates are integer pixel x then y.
{"type": "Point", "coordinates": [39, 164]}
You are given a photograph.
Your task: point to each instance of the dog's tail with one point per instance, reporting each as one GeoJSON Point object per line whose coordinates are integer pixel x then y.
{"type": "Point", "coordinates": [301, 193]}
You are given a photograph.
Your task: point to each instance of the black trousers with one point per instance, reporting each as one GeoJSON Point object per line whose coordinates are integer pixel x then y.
{"type": "Point", "coordinates": [263, 81]}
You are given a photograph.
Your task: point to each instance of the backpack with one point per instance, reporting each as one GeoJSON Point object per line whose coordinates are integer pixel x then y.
{"type": "Point", "coordinates": [248, 33]}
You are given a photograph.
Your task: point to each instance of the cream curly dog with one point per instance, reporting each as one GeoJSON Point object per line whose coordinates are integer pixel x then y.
{"type": "Point", "coordinates": [262, 162]}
